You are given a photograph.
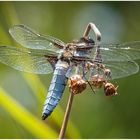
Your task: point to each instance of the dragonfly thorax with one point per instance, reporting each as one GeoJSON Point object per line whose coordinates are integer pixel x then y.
{"type": "Point", "coordinates": [68, 51]}
{"type": "Point", "coordinates": [77, 51]}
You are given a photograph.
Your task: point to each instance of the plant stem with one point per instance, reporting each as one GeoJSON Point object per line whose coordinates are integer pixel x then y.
{"type": "Point", "coordinates": [66, 116]}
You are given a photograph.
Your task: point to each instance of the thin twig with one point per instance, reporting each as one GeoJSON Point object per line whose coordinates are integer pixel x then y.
{"type": "Point", "coordinates": [66, 116]}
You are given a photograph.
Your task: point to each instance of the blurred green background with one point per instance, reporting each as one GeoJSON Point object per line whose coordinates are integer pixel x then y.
{"type": "Point", "coordinates": [93, 115]}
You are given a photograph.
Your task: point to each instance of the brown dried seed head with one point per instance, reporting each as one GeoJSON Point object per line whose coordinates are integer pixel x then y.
{"type": "Point", "coordinates": [97, 81]}
{"type": "Point", "coordinates": [102, 66]}
{"type": "Point", "coordinates": [107, 72]}
{"type": "Point", "coordinates": [110, 89]}
{"type": "Point", "coordinates": [76, 84]}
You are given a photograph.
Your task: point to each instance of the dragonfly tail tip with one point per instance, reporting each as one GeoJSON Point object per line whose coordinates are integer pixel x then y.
{"type": "Point", "coordinates": [44, 116]}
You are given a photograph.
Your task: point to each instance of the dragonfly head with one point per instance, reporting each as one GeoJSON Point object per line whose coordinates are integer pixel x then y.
{"type": "Point", "coordinates": [86, 40]}
{"type": "Point", "coordinates": [85, 43]}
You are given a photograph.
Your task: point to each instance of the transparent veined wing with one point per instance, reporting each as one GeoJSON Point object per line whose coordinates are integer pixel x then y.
{"type": "Point", "coordinates": [32, 61]}
{"type": "Point", "coordinates": [122, 69]}
{"type": "Point", "coordinates": [31, 39]}
{"type": "Point", "coordinates": [120, 52]}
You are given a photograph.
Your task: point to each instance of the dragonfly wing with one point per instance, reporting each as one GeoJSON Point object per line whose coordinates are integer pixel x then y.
{"type": "Point", "coordinates": [31, 39]}
{"type": "Point", "coordinates": [122, 69]}
{"type": "Point", "coordinates": [26, 60]}
{"type": "Point", "coordinates": [120, 52]}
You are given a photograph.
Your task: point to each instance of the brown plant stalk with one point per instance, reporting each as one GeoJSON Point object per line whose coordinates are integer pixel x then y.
{"type": "Point", "coordinates": [66, 116]}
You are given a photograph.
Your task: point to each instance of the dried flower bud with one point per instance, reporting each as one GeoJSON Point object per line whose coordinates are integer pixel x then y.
{"type": "Point", "coordinates": [97, 81]}
{"type": "Point", "coordinates": [76, 84]}
{"type": "Point", "coordinates": [110, 89]}
{"type": "Point", "coordinates": [107, 73]}
{"type": "Point", "coordinates": [102, 66]}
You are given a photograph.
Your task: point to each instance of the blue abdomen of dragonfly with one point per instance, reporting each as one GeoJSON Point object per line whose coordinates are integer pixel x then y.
{"type": "Point", "coordinates": [55, 91]}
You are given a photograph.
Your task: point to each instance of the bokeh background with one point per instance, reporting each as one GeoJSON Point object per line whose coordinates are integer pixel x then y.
{"type": "Point", "coordinates": [93, 115]}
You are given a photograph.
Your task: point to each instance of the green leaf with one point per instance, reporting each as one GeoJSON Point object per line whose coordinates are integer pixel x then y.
{"type": "Point", "coordinates": [25, 118]}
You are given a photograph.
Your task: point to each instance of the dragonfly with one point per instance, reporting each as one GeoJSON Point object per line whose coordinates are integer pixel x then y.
{"type": "Point", "coordinates": [86, 56]}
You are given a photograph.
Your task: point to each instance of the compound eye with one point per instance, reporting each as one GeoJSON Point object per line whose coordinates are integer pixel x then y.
{"type": "Point", "coordinates": [90, 40]}
{"type": "Point", "coordinates": [86, 40]}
